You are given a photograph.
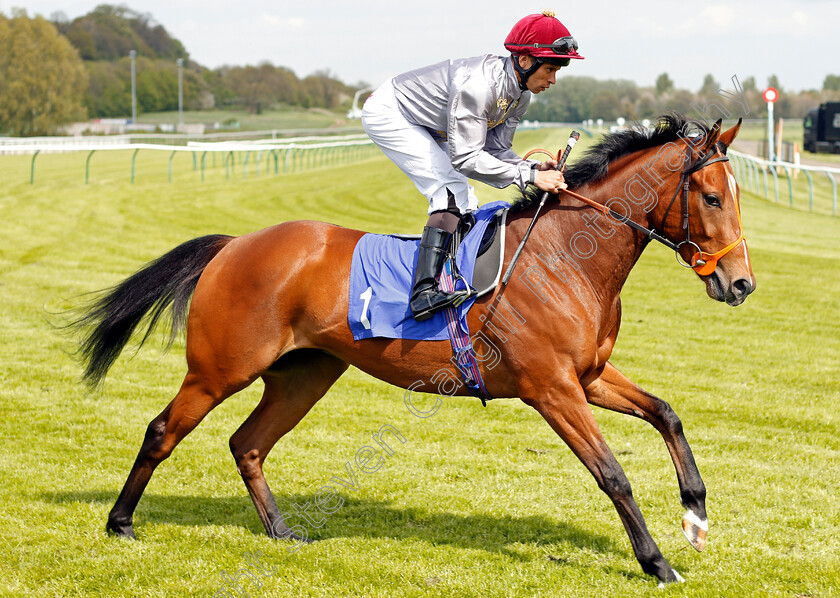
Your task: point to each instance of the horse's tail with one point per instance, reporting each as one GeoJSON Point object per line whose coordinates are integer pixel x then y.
{"type": "Point", "coordinates": [110, 320]}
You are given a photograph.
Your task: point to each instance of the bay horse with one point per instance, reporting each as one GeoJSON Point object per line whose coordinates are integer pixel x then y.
{"type": "Point", "coordinates": [273, 304]}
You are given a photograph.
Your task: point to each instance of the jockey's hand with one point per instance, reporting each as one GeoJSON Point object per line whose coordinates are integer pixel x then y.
{"type": "Point", "coordinates": [548, 165]}
{"type": "Point", "coordinates": [551, 181]}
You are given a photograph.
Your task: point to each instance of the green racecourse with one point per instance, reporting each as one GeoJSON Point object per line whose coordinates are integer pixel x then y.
{"type": "Point", "coordinates": [476, 502]}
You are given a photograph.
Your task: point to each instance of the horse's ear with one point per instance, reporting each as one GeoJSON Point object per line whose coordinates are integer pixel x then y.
{"type": "Point", "coordinates": [728, 137]}
{"type": "Point", "coordinates": [714, 134]}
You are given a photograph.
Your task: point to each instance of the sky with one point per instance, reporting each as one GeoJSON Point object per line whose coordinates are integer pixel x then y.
{"type": "Point", "coordinates": [371, 40]}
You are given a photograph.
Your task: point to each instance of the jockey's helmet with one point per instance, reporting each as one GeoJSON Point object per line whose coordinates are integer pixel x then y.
{"type": "Point", "coordinates": [543, 37]}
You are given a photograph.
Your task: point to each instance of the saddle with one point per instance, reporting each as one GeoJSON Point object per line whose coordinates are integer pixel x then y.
{"type": "Point", "coordinates": [382, 272]}
{"type": "Point", "coordinates": [491, 251]}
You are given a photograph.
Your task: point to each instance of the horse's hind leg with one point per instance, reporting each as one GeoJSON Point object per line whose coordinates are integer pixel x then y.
{"type": "Point", "coordinates": [193, 401]}
{"type": "Point", "coordinates": [292, 387]}
{"type": "Point", "coordinates": [615, 392]}
{"type": "Point", "coordinates": [563, 405]}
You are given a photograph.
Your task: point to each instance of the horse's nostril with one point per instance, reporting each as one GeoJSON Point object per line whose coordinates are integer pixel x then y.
{"type": "Point", "coordinates": [742, 287]}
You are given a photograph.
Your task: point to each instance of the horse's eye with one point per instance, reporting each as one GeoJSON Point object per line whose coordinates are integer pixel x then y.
{"type": "Point", "coordinates": [711, 200]}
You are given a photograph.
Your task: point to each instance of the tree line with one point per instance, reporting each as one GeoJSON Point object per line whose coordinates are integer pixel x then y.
{"type": "Point", "coordinates": [577, 99]}
{"type": "Point", "coordinates": [54, 71]}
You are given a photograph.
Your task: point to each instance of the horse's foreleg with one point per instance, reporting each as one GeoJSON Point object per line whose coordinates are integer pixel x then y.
{"type": "Point", "coordinates": [292, 387]}
{"type": "Point", "coordinates": [615, 392]}
{"type": "Point", "coordinates": [564, 407]}
{"type": "Point", "coordinates": [177, 420]}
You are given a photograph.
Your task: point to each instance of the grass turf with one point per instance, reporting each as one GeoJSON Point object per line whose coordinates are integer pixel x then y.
{"type": "Point", "coordinates": [477, 502]}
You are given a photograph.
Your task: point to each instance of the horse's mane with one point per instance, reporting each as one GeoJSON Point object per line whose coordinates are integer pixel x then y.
{"type": "Point", "coordinates": [595, 163]}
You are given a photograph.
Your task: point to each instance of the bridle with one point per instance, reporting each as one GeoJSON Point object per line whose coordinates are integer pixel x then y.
{"type": "Point", "coordinates": [701, 262]}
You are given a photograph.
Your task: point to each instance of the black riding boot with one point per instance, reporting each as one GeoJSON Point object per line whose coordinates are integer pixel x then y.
{"type": "Point", "coordinates": [426, 299]}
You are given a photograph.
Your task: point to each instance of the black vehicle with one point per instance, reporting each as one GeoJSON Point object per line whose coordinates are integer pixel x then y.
{"type": "Point", "coordinates": [822, 129]}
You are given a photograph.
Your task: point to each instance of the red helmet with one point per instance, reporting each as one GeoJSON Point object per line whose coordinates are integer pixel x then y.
{"type": "Point", "coordinates": [543, 36]}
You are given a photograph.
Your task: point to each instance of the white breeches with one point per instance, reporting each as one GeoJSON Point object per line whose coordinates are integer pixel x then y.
{"type": "Point", "coordinates": [418, 155]}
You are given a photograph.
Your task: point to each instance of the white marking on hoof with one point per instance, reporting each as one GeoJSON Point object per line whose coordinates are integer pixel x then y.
{"type": "Point", "coordinates": [695, 530]}
{"type": "Point", "coordinates": [693, 518]}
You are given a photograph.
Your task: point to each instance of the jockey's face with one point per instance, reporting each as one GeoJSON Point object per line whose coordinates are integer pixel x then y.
{"type": "Point", "coordinates": [542, 78]}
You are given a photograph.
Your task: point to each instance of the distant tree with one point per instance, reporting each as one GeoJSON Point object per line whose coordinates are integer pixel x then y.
{"type": "Point", "coordinates": [216, 85]}
{"type": "Point", "coordinates": [646, 107]}
{"type": "Point", "coordinates": [83, 41]}
{"type": "Point", "coordinates": [157, 38]}
{"type": "Point", "coordinates": [157, 86]}
{"type": "Point", "coordinates": [286, 86]}
{"type": "Point", "coordinates": [252, 87]}
{"type": "Point", "coordinates": [710, 86]}
{"type": "Point", "coordinates": [664, 84]}
{"type": "Point", "coordinates": [579, 98]}
{"type": "Point", "coordinates": [568, 102]}
{"type": "Point", "coordinates": [109, 93]}
{"type": "Point", "coordinates": [42, 78]}
{"type": "Point", "coordinates": [748, 84]}
{"type": "Point", "coordinates": [627, 91]}
{"type": "Point", "coordinates": [324, 90]}
{"type": "Point", "coordinates": [773, 81]}
{"type": "Point", "coordinates": [606, 105]}
{"type": "Point", "coordinates": [110, 32]}
{"type": "Point", "coordinates": [681, 101]}
{"type": "Point", "coordinates": [110, 88]}
{"type": "Point", "coordinates": [60, 20]}
{"type": "Point", "coordinates": [257, 88]}
{"type": "Point", "coordinates": [831, 83]}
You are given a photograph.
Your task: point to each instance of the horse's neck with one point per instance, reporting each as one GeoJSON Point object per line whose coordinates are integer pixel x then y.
{"type": "Point", "coordinates": [605, 249]}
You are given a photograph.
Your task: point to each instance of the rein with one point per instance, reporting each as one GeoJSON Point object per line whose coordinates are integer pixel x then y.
{"type": "Point", "coordinates": [650, 233]}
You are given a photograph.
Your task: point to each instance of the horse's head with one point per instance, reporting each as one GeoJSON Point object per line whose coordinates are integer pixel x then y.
{"type": "Point", "coordinates": [708, 226]}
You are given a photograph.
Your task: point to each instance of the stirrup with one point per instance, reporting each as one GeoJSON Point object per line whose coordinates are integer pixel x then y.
{"type": "Point", "coordinates": [433, 301]}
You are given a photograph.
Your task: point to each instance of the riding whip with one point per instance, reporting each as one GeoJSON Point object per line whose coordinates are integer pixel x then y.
{"type": "Point", "coordinates": [573, 138]}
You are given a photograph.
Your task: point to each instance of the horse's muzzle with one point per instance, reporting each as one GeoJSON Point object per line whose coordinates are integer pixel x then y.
{"type": "Point", "coordinates": [733, 294]}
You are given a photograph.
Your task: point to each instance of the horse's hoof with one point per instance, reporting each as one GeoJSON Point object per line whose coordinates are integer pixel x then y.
{"type": "Point", "coordinates": [677, 579]}
{"type": "Point", "coordinates": [120, 530]}
{"type": "Point", "coordinates": [695, 530]}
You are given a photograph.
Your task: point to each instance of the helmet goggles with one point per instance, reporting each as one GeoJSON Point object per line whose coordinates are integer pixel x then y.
{"type": "Point", "coordinates": [562, 46]}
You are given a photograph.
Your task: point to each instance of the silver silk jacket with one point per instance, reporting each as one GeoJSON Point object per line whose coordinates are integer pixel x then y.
{"type": "Point", "coordinates": [475, 104]}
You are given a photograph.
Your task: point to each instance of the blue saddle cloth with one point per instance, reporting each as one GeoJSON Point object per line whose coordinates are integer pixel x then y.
{"type": "Point", "coordinates": [381, 278]}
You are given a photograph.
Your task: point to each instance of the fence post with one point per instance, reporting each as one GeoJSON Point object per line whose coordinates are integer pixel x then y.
{"type": "Point", "coordinates": [172, 155]}
{"type": "Point", "coordinates": [87, 166]}
{"type": "Point", "coordinates": [790, 185]}
{"type": "Point", "coordinates": [133, 157]}
{"type": "Point", "coordinates": [810, 191]}
{"type": "Point", "coordinates": [833, 193]}
{"type": "Point", "coordinates": [32, 168]}
{"type": "Point", "coordinates": [766, 184]}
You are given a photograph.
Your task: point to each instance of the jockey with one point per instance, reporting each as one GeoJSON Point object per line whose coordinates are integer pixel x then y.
{"type": "Point", "coordinates": [449, 121]}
